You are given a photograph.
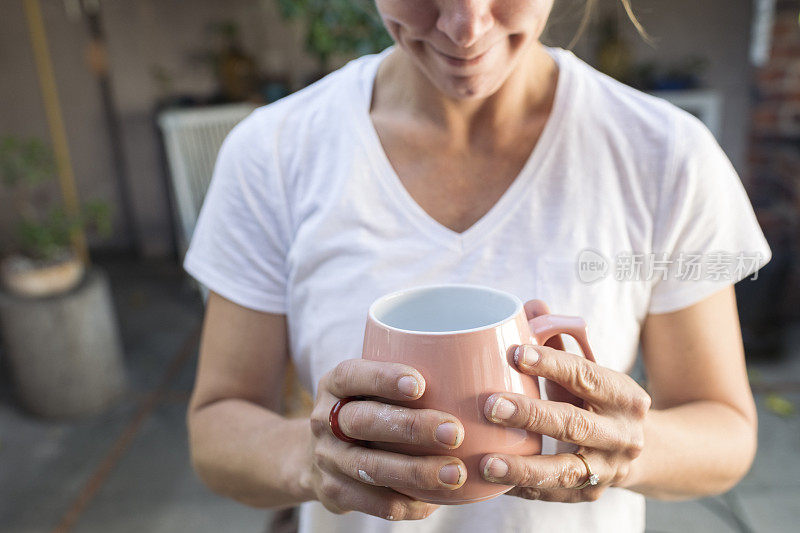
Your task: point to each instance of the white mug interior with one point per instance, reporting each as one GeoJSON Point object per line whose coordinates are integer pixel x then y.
{"type": "Point", "coordinates": [447, 308]}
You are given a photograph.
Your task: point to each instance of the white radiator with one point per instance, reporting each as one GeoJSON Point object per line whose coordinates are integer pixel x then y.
{"type": "Point", "coordinates": [192, 139]}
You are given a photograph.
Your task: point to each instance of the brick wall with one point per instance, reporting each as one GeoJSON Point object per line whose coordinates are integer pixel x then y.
{"type": "Point", "coordinates": [774, 155]}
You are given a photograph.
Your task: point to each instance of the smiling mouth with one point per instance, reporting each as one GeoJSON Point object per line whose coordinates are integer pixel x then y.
{"type": "Point", "coordinates": [462, 58]}
{"type": "Point", "coordinates": [462, 61]}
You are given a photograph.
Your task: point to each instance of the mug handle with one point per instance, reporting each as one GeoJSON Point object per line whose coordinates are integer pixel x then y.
{"type": "Point", "coordinates": [546, 329]}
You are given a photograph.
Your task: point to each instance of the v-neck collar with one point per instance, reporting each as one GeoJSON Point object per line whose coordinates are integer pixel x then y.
{"type": "Point", "coordinates": [504, 207]}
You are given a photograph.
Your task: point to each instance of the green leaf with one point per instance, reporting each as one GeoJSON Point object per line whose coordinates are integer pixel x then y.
{"type": "Point", "coordinates": [25, 161]}
{"type": "Point", "coordinates": [345, 27]}
{"type": "Point", "coordinates": [780, 405]}
{"type": "Point", "coordinates": [41, 239]}
{"type": "Point", "coordinates": [97, 217]}
{"type": "Point", "coordinates": [43, 232]}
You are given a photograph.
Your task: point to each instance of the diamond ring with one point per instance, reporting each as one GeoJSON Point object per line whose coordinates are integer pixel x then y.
{"type": "Point", "coordinates": [592, 479]}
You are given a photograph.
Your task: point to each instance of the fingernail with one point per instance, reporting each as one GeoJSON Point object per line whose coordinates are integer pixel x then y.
{"type": "Point", "coordinates": [409, 386]}
{"type": "Point", "coordinates": [526, 355]}
{"type": "Point", "coordinates": [448, 434]}
{"type": "Point", "coordinates": [503, 409]}
{"type": "Point", "coordinates": [451, 474]}
{"type": "Point", "coordinates": [495, 468]}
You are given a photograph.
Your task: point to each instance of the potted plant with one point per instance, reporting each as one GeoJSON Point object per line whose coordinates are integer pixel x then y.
{"type": "Point", "coordinates": [38, 258]}
{"type": "Point", "coordinates": [338, 27]}
{"type": "Point", "coordinates": [57, 317]}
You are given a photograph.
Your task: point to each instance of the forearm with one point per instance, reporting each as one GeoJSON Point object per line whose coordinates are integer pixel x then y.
{"type": "Point", "coordinates": [693, 450]}
{"type": "Point", "coordinates": [251, 454]}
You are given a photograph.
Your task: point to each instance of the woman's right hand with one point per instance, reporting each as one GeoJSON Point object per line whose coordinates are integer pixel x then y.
{"type": "Point", "coordinates": [348, 477]}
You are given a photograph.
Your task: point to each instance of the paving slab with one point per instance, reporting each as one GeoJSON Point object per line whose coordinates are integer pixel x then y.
{"type": "Point", "coordinates": [771, 510]}
{"type": "Point", "coordinates": [198, 516]}
{"type": "Point", "coordinates": [768, 498]}
{"type": "Point", "coordinates": [710, 515]}
{"type": "Point", "coordinates": [154, 489]}
{"type": "Point", "coordinates": [44, 465]}
{"type": "Point", "coordinates": [777, 461]}
{"type": "Point", "coordinates": [156, 309]}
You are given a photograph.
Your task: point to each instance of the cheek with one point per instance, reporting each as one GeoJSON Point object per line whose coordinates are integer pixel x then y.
{"type": "Point", "coordinates": [413, 17]}
{"type": "Point", "coordinates": [522, 16]}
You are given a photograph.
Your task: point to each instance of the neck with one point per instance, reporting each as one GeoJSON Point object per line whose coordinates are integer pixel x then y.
{"type": "Point", "coordinates": [527, 93]}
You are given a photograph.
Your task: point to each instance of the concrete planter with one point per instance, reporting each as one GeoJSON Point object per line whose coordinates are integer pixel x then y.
{"type": "Point", "coordinates": [25, 277]}
{"type": "Point", "coordinates": [64, 351]}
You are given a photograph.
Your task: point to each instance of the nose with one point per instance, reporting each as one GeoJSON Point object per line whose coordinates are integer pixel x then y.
{"type": "Point", "coordinates": [465, 21]}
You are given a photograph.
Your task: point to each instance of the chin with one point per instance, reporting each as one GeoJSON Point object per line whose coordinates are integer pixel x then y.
{"type": "Point", "coordinates": [468, 88]}
{"type": "Point", "coordinates": [468, 82]}
{"type": "Point", "coordinates": [466, 85]}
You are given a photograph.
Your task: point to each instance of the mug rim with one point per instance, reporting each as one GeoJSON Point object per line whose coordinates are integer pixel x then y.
{"type": "Point", "coordinates": [417, 288]}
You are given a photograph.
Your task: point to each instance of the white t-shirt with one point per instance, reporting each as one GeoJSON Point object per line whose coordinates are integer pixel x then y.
{"type": "Point", "coordinates": [306, 217]}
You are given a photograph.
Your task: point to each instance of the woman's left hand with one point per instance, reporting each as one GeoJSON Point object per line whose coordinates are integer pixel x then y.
{"type": "Point", "coordinates": [608, 429]}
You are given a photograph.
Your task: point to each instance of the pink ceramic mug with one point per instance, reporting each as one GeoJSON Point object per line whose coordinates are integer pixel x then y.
{"type": "Point", "coordinates": [461, 338]}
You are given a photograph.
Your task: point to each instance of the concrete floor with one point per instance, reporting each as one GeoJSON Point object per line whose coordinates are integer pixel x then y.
{"type": "Point", "coordinates": [128, 470]}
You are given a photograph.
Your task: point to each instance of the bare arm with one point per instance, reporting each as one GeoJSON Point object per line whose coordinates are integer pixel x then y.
{"type": "Point", "coordinates": [243, 449]}
{"type": "Point", "coordinates": [240, 446]}
{"type": "Point", "coordinates": [700, 438]}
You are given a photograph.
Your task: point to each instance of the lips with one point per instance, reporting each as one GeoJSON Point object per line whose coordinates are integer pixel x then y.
{"type": "Point", "coordinates": [462, 58]}
{"type": "Point", "coordinates": [462, 61]}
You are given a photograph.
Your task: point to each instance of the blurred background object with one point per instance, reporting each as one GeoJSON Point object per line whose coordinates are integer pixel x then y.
{"type": "Point", "coordinates": [147, 92]}
{"type": "Point", "coordinates": [39, 257]}
{"type": "Point", "coordinates": [235, 69]}
{"type": "Point", "coordinates": [56, 317]}
{"type": "Point", "coordinates": [192, 138]}
{"type": "Point", "coordinates": [774, 180]}
{"type": "Point", "coordinates": [337, 28]}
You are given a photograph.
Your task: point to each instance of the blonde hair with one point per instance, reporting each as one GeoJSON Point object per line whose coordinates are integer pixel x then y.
{"type": "Point", "coordinates": [587, 16]}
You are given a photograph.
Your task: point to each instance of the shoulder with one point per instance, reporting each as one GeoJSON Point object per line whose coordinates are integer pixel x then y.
{"type": "Point", "coordinates": [620, 102]}
{"type": "Point", "coordinates": [646, 124]}
{"type": "Point", "coordinates": [653, 144]}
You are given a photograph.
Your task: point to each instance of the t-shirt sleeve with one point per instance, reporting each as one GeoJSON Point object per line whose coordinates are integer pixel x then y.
{"type": "Point", "coordinates": [243, 232]}
{"type": "Point", "coordinates": [706, 235]}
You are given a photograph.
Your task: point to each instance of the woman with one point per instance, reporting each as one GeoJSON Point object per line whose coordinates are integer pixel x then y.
{"type": "Point", "coordinates": [468, 152]}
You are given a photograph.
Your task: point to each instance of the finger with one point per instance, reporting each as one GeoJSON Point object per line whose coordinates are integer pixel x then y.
{"type": "Point", "coordinates": [585, 379]}
{"type": "Point", "coordinates": [562, 421]}
{"type": "Point", "coordinates": [561, 471]}
{"type": "Point", "coordinates": [380, 422]}
{"type": "Point", "coordinates": [557, 393]}
{"type": "Point", "coordinates": [534, 308]}
{"type": "Point", "coordinates": [342, 494]}
{"type": "Point", "coordinates": [389, 469]}
{"type": "Point", "coordinates": [359, 377]}
{"type": "Point", "coordinates": [589, 494]}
